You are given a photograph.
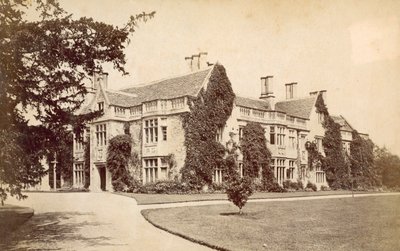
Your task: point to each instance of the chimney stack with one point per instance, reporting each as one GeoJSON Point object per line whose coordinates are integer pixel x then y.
{"type": "Point", "coordinates": [323, 94]}
{"type": "Point", "coordinates": [100, 79]}
{"type": "Point", "coordinates": [267, 92]}
{"type": "Point", "coordinates": [197, 61]}
{"type": "Point", "coordinates": [291, 90]}
{"type": "Point", "coordinates": [189, 62]}
{"type": "Point", "coordinates": [313, 93]}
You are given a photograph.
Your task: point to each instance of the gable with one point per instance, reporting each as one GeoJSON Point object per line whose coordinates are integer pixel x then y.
{"type": "Point", "coordinates": [301, 107]}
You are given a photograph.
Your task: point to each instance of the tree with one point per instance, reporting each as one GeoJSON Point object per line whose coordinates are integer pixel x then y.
{"type": "Point", "coordinates": [239, 190]}
{"type": "Point", "coordinates": [256, 156]}
{"type": "Point", "coordinates": [388, 165]}
{"type": "Point", "coordinates": [44, 66]}
{"type": "Point", "coordinates": [363, 169]}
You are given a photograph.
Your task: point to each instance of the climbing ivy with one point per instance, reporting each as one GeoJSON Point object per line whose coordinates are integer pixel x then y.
{"type": "Point", "coordinates": [256, 156]}
{"type": "Point", "coordinates": [209, 112]}
{"type": "Point", "coordinates": [363, 171]}
{"type": "Point", "coordinates": [118, 156]}
{"type": "Point", "coordinates": [334, 163]}
{"type": "Point", "coordinates": [87, 160]}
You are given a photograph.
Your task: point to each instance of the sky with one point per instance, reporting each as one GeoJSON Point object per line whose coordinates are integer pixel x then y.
{"type": "Point", "coordinates": [349, 48]}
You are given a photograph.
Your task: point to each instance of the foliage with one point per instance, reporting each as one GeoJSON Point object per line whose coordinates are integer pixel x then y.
{"type": "Point", "coordinates": [87, 160]}
{"type": "Point", "coordinates": [118, 156]}
{"type": "Point", "coordinates": [288, 184]}
{"type": "Point", "coordinates": [363, 171]}
{"type": "Point", "coordinates": [334, 163]}
{"type": "Point", "coordinates": [388, 165]}
{"type": "Point", "coordinates": [239, 190]}
{"type": "Point", "coordinates": [311, 186]}
{"type": "Point", "coordinates": [209, 112]}
{"type": "Point", "coordinates": [315, 158]}
{"type": "Point", "coordinates": [63, 151]}
{"type": "Point", "coordinates": [44, 66]}
{"type": "Point", "coordinates": [256, 155]}
{"type": "Point", "coordinates": [165, 187]}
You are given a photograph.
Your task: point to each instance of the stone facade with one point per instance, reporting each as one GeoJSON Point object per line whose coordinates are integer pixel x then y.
{"type": "Point", "coordinates": [154, 114]}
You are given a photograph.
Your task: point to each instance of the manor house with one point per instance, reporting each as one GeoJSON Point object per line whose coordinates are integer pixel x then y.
{"type": "Point", "coordinates": [154, 112]}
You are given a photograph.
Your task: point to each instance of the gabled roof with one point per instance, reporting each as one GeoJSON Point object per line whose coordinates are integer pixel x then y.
{"type": "Point", "coordinates": [121, 99]}
{"type": "Point", "coordinates": [344, 125]}
{"type": "Point", "coordinates": [186, 85]}
{"type": "Point", "coordinates": [301, 107]}
{"type": "Point", "coordinates": [252, 103]}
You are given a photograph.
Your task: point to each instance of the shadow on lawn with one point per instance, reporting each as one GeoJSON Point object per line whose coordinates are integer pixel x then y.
{"type": "Point", "coordinates": [45, 231]}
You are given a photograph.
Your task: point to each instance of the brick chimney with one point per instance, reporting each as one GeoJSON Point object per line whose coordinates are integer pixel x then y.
{"type": "Point", "coordinates": [323, 94]}
{"type": "Point", "coordinates": [291, 90]}
{"type": "Point", "coordinates": [202, 60]}
{"type": "Point", "coordinates": [267, 92]}
{"type": "Point", "coordinates": [197, 61]}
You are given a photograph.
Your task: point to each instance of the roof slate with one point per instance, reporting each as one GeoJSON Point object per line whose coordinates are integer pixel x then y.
{"type": "Point", "coordinates": [301, 107]}
{"type": "Point", "coordinates": [252, 103]}
{"type": "Point", "coordinates": [121, 99]}
{"type": "Point", "coordinates": [187, 85]}
{"type": "Point", "coordinates": [344, 125]}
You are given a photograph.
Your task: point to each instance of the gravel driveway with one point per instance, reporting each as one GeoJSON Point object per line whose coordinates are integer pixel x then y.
{"type": "Point", "coordinates": [89, 221]}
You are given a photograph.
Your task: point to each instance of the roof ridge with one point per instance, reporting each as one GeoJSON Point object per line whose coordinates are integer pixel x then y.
{"type": "Point", "coordinates": [122, 93]}
{"type": "Point", "coordinates": [296, 99]}
{"type": "Point", "coordinates": [166, 78]}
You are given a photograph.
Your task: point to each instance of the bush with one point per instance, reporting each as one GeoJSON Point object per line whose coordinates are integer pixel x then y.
{"type": "Point", "coordinates": [164, 187]}
{"type": "Point", "coordinates": [275, 188]}
{"type": "Point", "coordinates": [300, 185]}
{"type": "Point", "coordinates": [288, 184]}
{"type": "Point", "coordinates": [311, 186]}
{"type": "Point", "coordinates": [239, 190]}
{"type": "Point", "coordinates": [325, 188]}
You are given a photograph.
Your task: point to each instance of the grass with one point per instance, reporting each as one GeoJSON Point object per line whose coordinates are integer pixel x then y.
{"type": "Point", "coordinates": [360, 223]}
{"type": "Point", "coordinates": [12, 217]}
{"type": "Point", "coordinates": [147, 199]}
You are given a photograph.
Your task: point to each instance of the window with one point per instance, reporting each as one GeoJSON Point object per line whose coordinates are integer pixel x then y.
{"type": "Point", "coordinates": [178, 103]}
{"type": "Point", "coordinates": [240, 132]}
{"type": "Point", "coordinates": [290, 170]}
{"type": "Point", "coordinates": [119, 111]}
{"type": "Point", "coordinates": [241, 171]}
{"type": "Point", "coordinates": [151, 130]}
{"type": "Point", "coordinates": [136, 110]}
{"type": "Point", "coordinates": [79, 176]}
{"type": "Point", "coordinates": [217, 177]}
{"type": "Point", "coordinates": [280, 170]}
{"type": "Point", "coordinates": [218, 135]}
{"type": "Point", "coordinates": [100, 106]}
{"type": "Point", "coordinates": [272, 135]}
{"type": "Point", "coordinates": [281, 136]}
{"type": "Point", "coordinates": [79, 142]}
{"type": "Point", "coordinates": [101, 135]}
{"type": "Point", "coordinates": [151, 170]}
{"type": "Point", "coordinates": [292, 139]}
{"type": "Point", "coordinates": [164, 132]}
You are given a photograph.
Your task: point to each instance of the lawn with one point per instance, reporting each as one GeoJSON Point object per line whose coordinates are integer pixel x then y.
{"type": "Point", "coordinates": [360, 223]}
{"type": "Point", "coordinates": [146, 199]}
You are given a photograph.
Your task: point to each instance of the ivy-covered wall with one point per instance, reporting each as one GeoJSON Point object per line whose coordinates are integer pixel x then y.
{"type": "Point", "coordinates": [209, 111]}
{"type": "Point", "coordinates": [334, 163]}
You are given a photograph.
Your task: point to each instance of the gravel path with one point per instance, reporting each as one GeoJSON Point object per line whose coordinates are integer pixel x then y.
{"type": "Point", "coordinates": [89, 221]}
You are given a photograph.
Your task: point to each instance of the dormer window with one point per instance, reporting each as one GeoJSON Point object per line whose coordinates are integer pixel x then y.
{"type": "Point", "coordinates": [100, 106]}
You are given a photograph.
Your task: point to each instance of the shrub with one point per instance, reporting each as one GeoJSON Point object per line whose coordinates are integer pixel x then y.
{"type": "Point", "coordinates": [300, 185]}
{"type": "Point", "coordinates": [325, 188]}
{"type": "Point", "coordinates": [239, 190]}
{"type": "Point", "coordinates": [164, 187]}
{"type": "Point", "coordinates": [275, 188]}
{"type": "Point", "coordinates": [311, 186]}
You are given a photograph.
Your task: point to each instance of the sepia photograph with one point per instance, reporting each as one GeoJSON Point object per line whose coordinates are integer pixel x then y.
{"type": "Point", "coordinates": [200, 125]}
